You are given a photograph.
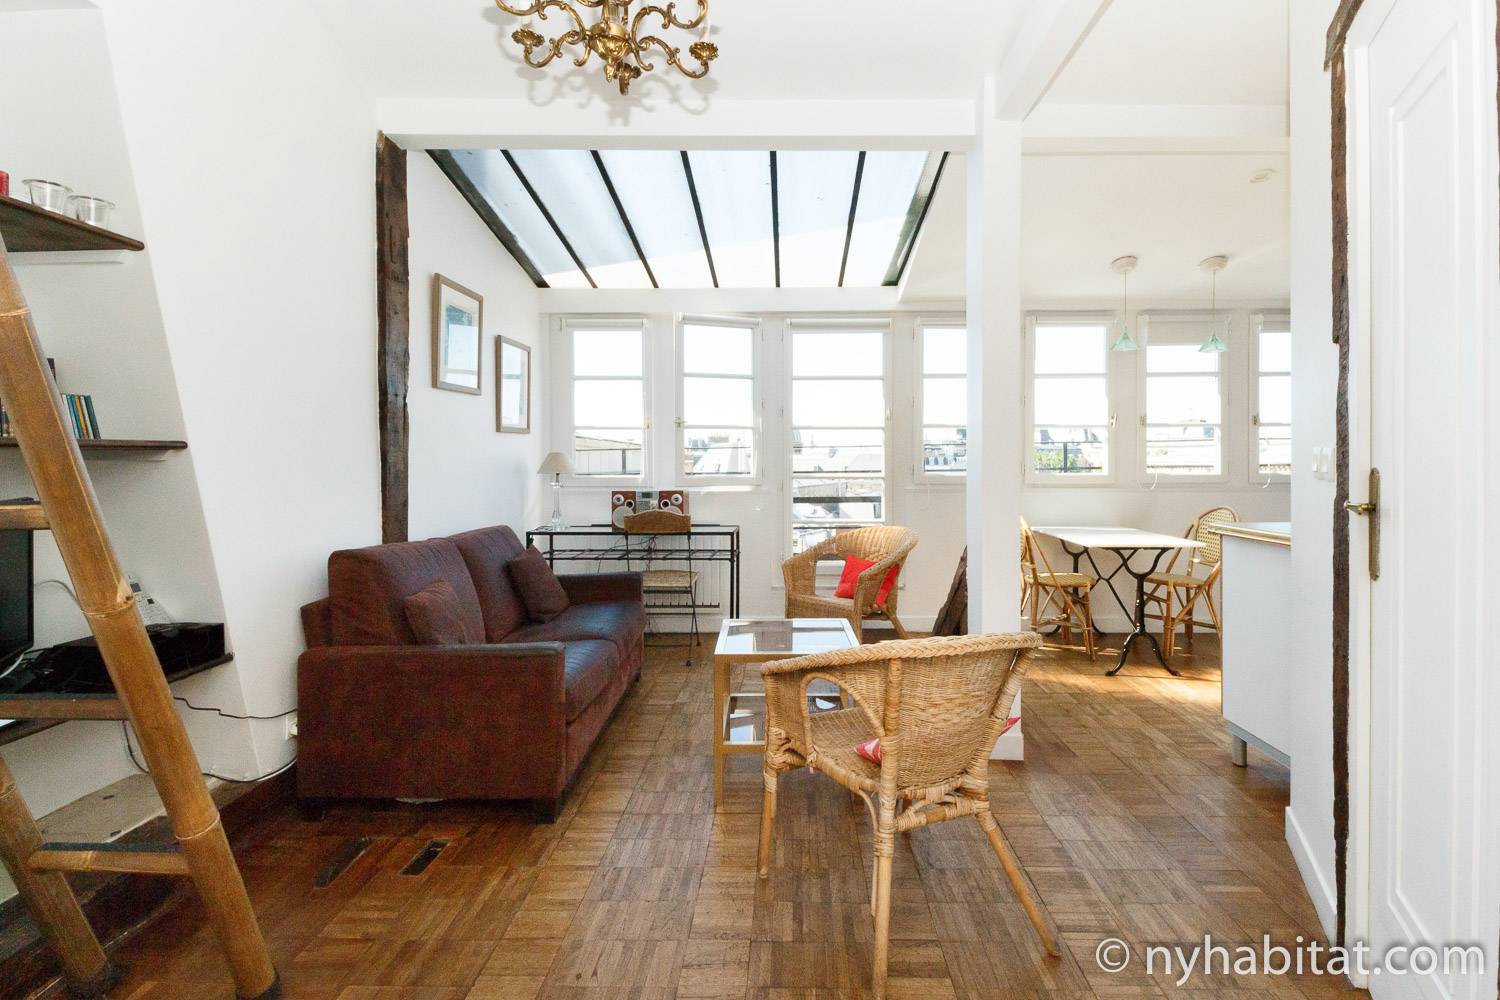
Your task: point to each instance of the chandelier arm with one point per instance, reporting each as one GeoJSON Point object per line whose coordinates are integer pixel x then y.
{"type": "Point", "coordinates": [537, 7]}
{"type": "Point", "coordinates": [668, 15]}
{"type": "Point", "coordinates": [672, 56]}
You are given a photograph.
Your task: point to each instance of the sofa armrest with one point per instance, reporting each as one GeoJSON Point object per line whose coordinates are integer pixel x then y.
{"type": "Point", "coordinates": [481, 721]}
{"type": "Point", "coordinates": [591, 588]}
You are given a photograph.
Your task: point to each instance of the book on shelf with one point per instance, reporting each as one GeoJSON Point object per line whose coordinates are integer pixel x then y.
{"type": "Point", "coordinates": [80, 410]}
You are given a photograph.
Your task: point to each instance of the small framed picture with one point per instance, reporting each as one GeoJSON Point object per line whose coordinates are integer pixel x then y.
{"type": "Point", "coordinates": [457, 322]}
{"type": "Point", "coordinates": [512, 386]}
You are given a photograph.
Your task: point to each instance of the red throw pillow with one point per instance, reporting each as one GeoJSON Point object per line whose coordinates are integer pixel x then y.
{"type": "Point", "coordinates": [543, 596]}
{"type": "Point", "coordinates": [436, 618]}
{"type": "Point", "coordinates": [849, 579]}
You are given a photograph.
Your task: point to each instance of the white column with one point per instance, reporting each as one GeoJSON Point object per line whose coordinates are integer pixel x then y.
{"type": "Point", "coordinates": [995, 420]}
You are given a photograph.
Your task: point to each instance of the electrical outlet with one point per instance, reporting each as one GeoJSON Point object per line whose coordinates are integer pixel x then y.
{"type": "Point", "coordinates": [291, 726]}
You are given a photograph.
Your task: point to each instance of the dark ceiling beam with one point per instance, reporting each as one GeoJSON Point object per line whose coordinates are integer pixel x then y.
{"type": "Point", "coordinates": [547, 214]}
{"type": "Point", "coordinates": [916, 215]}
{"type": "Point", "coordinates": [859, 176]}
{"type": "Point", "coordinates": [450, 167]}
{"type": "Point", "coordinates": [624, 218]}
{"type": "Point", "coordinates": [776, 216]}
{"type": "Point", "coordinates": [687, 169]}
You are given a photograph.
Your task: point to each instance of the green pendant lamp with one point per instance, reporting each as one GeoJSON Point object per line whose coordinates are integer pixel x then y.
{"type": "Point", "coordinates": [1214, 344]}
{"type": "Point", "coordinates": [1124, 343]}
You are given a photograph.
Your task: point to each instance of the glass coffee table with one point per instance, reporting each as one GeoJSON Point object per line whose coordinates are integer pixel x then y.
{"type": "Point", "coordinates": [739, 697]}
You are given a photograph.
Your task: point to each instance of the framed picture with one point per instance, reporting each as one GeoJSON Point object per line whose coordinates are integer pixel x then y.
{"type": "Point", "coordinates": [457, 322]}
{"type": "Point", "coordinates": [512, 386]}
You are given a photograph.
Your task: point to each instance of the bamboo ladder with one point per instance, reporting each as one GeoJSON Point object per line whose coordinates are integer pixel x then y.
{"type": "Point", "coordinates": [201, 852]}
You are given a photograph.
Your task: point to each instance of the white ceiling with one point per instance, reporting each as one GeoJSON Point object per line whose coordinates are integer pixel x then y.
{"type": "Point", "coordinates": [768, 49]}
{"type": "Point", "coordinates": [1180, 52]}
{"type": "Point", "coordinates": [1083, 211]}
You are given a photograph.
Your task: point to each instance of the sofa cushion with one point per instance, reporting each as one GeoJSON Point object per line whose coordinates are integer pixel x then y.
{"type": "Point", "coordinates": [621, 622]}
{"type": "Point", "coordinates": [485, 552]}
{"type": "Point", "coordinates": [367, 590]}
{"type": "Point", "coordinates": [437, 619]}
{"type": "Point", "coordinates": [534, 580]}
{"type": "Point", "coordinates": [588, 667]}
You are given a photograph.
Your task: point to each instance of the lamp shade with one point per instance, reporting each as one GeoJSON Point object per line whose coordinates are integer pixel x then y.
{"type": "Point", "coordinates": [556, 463]}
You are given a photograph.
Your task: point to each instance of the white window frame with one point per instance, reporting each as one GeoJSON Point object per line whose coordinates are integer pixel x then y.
{"type": "Point", "coordinates": [1110, 321]}
{"type": "Point", "coordinates": [756, 378]}
{"type": "Point", "coordinates": [793, 325]}
{"type": "Point", "coordinates": [1257, 321]}
{"type": "Point", "coordinates": [564, 438]}
{"type": "Point", "coordinates": [1225, 320]}
{"type": "Point", "coordinates": [920, 326]}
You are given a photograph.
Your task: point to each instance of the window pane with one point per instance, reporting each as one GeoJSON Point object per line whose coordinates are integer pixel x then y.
{"type": "Point", "coordinates": [1179, 358]}
{"type": "Point", "coordinates": [1182, 399]}
{"type": "Point", "coordinates": [1182, 451]}
{"type": "Point", "coordinates": [945, 401]}
{"type": "Point", "coordinates": [1063, 350]}
{"type": "Point", "coordinates": [1275, 399]}
{"type": "Point", "coordinates": [723, 350]}
{"type": "Point", "coordinates": [945, 449]}
{"type": "Point", "coordinates": [608, 403]}
{"type": "Point", "coordinates": [653, 188]}
{"type": "Point", "coordinates": [815, 188]}
{"type": "Point", "coordinates": [849, 403]}
{"type": "Point", "coordinates": [607, 352]}
{"type": "Point", "coordinates": [1276, 351]}
{"type": "Point", "coordinates": [498, 184]}
{"type": "Point", "coordinates": [837, 499]}
{"type": "Point", "coordinates": [568, 182]}
{"type": "Point", "coordinates": [1275, 450]}
{"type": "Point", "coordinates": [714, 401]}
{"type": "Point", "coordinates": [945, 351]}
{"type": "Point", "coordinates": [886, 190]}
{"type": "Point", "coordinates": [838, 450]}
{"type": "Point", "coordinates": [734, 189]}
{"type": "Point", "coordinates": [852, 352]}
{"type": "Point", "coordinates": [607, 452]}
{"type": "Point", "coordinates": [1078, 450]}
{"type": "Point", "coordinates": [1071, 401]}
{"type": "Point", "coordinates": [718, 451]}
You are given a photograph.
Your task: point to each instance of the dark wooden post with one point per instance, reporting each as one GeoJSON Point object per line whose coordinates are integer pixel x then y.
{"type": "Point", "coordinates": [393, 284]}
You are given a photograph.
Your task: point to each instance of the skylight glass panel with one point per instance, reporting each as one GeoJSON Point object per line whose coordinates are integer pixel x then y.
{"type": "Point", "coordinates": [815, 188]}
{"type": "Point", "coordinates": [568, 182]}
{"type": "Point", "coordinates": [886, 191]}
{"type": "Point", "coordinates": [734, 190]}
{"type": "Point", "coordinates": [499, 185]}
{"type": "Point", "coordinates": [653, 188]}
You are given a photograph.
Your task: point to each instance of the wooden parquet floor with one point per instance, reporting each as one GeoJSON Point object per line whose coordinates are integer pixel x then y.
{"type": "Point", "coordinates": [1127, 814]}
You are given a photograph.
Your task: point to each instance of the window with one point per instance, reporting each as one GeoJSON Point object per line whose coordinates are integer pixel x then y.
{"type": "Point", "coordinates": [944, 398]}
{"type": "Point", "coordinates": [838, 428]}
{"type": "Point", "coordinates": [609, 412]}
{"type": "Point", "coordinates": [1070, 411]}
{"type": "Point", "coordinates": [717, 406]}
{"type": "Point", "coordinates": [1273, 395]}
{"type": "Point", "coordinates": [1184, 397]}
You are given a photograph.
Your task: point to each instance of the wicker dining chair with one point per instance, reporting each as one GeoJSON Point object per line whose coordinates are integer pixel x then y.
{"type": "Point", "coordinates": [1061, 599]}
{"type": "Point", "coordinates": [885, 546]}
{"type": "Point", "coordinates": [1176, 596]}
{"type": "Point", "coordinates": [937, 706]}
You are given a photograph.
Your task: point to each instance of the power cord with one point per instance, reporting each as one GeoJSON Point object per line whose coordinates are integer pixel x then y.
{"type": "Point", "coordinates": [230, 715]}
{"type": "Point", "coordinates": [130, 751]}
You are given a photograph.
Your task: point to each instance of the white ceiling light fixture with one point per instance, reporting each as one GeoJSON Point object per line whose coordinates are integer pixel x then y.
{"type": "Point", "coordinates": [1213, 265]}
{"type": "Point", "coordinates": [1124, 343]}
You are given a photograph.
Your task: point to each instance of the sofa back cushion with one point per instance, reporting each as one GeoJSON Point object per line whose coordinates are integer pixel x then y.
{"type": "Point", "coordinates": [368, 588]}
{"type": "Point", "coordinates": [485, 552]}
{"type": "Point", "coordinates": [437, 619]}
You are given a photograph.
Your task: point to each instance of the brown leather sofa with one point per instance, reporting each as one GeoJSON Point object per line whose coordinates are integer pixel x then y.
{"type": "Point", "coordinates": [380, 716]}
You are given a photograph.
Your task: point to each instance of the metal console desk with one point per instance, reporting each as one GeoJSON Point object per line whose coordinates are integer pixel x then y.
{"type": "Point", "coordinates": [702, 543]}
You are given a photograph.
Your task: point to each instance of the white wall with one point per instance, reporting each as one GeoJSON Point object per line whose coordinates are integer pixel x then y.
{"type": "Point", "coordinates": [1315, 362]}
{"type": "Point", "coordinates": [463, 473]}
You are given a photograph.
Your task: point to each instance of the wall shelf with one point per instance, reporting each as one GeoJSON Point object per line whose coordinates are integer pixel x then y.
{"type": "Point", "coordinates": [28, 229]}
{"type": "Point", "coordinates": [113, 445]}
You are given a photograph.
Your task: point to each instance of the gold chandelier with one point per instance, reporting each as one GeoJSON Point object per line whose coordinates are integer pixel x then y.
{"type": "Point", "coordinates": [616, 37]}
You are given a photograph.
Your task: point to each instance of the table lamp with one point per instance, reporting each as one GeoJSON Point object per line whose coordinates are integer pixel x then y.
{"type": "Point", "coordinates": [556, 464]}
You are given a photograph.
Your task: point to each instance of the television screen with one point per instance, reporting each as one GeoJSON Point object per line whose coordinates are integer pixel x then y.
{"type": "Point", "coordinates": [15, 595]}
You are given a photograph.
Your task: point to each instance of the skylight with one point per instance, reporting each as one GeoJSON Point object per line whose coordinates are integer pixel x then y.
{"type": "Point", "coordinates": [577, 218]}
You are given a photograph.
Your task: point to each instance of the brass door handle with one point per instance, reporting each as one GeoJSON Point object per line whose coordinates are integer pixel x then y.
{"type": "Point", "coordinates": [1359, 508]}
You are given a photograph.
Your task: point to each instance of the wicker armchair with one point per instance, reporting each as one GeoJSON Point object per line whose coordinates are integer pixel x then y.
{"type": "Point", "coordinates": [1061, 599]}
{"type": "Point", "coordinates": [884, 546]}
{"type": "Point", "coordinates": [1175, 596]}
{"type": "Point", "coordinates": [938, 706]}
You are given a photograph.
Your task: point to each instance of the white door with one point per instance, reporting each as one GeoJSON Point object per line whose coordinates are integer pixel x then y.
{"type": "Point", "coordinates": [1421, 179]}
